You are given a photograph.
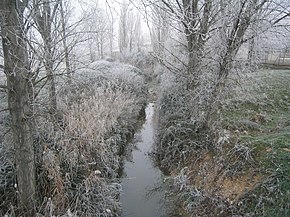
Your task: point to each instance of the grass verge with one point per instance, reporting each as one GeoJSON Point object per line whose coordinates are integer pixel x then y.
{"type": "Point", "coordinates": [242, 167]}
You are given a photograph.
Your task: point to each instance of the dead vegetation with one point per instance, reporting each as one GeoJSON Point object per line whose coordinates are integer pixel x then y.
{"type": "Point", "coordinates": [241, 166]}
{"type": "Point", "coordinates": [78, 156]}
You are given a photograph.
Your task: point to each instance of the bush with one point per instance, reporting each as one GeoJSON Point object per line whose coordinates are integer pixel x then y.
{"type": "Point", "coordinates": [78, 155]}
{"type": "Point", "coordinates": [180, 129]}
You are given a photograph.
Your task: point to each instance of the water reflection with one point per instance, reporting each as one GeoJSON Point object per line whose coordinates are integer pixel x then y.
{"type": "Point", "coordinates": [137, 198]}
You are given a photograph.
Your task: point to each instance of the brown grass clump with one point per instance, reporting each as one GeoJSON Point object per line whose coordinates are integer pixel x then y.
{"type": "Point", "coordinates": [207, 173]}
{"type": "Point", "coordinates": [81, 158]}
{"type": "Point", "coordinates": [88, 122]}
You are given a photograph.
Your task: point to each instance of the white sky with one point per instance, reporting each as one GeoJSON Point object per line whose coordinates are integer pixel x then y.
{"type": "Point", "coordinates": [111, 6]}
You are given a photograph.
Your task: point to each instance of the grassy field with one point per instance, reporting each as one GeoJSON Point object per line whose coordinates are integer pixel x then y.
{"type": "Point", "coordinates": [259, 118]}
{"type": "Point", "coordinates": [245, 170]}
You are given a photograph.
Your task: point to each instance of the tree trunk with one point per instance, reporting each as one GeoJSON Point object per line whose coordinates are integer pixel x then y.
{"type": "Point", "coordinates": [20, 99]}
{"type": "Point", "coordinates": [47, 38]}
{"type": "Point", "coordinates": [66, 51]}
{"type": "Point", "coordinates": [251, 52]}
{"type": "Point", "coordinates": [51, 83]}
{"type": "Point", "coordinates": [43, 17]}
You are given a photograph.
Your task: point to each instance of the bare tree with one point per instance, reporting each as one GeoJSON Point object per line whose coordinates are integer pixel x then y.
{"type": "Point", "coordinates": [64, 40]}
{"type": "Point", "coordinates": [197, 18]}
{"type": "Point", "coordinates": [112, 18]}
{"type": "Point", "coordinates": [44, 14]}
{"type": "Point", "coordinates": [123, 27]}
{"type": "Point", "coordinates": [160, 29]}
{"type": "Point", "coordinates": [130, 29]}
{"type": "Point", "coordinates": [211, 32]}
{"type": "Point", "coordinates": [20, 100]}
{"type": "Point", "coordinates": [98, 32]}
{"type": "Point", "coordinates": [133, 30]}
{"type": "Point", "coordinates": [50, 20]}
{"type": "Point", "coordinates": [237, 20]}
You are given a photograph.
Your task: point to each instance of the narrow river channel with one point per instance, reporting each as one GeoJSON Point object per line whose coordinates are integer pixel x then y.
{"type": "Point", "coordinates": [140, 175]}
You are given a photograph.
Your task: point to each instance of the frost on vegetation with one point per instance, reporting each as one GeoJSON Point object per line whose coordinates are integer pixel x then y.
{"type": "Point", "coordinates": [113, 71]}
{"type": "Point", "coordinates": [180, 132]}
{"type": "Point", "coordinates": [95, 124]}
{"type": "Point", "coordinates": [223, 138]}
{"type": "Point", "coordinates": [6, 168]}
{"type": "Point", "coordinates": [181, 180]}
{"type": "Point", "coordinates": [78, 157]}
{"type": "Point", "coordinates": [141, 59]}
{"type": "Point", "coordinates": [90, 121]}
{"type": "Point", "coordinates": [243, 151]}
{"type": "Point", "coordinates": [250, 88]}
{"type": "Point", "coordinates": [182, 138]}
{"type": "Point", "coordinates": [188, 194]}
{"type": "Point", "coordinates": [8, 188]}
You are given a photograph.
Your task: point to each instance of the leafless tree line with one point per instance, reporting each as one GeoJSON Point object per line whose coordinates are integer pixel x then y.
{"type": "Point", "coordinates": [201, 38]}
{"type": "Point", "coordinates": [31, 32]}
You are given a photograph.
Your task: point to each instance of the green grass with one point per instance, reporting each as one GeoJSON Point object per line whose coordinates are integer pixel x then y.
{"type": "Point", "coordinates": [270, 143]}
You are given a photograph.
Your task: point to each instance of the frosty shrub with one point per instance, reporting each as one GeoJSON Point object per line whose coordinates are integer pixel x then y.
{"type": "Point", "coordinates": [78, 154]}
{"type": "Point", "coordinates": [142, 60]}
{"type": "Point", "coordinates": [180, 131]}
{"type": "Point", "coordinates": [89, 123]}
{"type": "Point", "coordinates": [7, 178]}
{"type": "Point", "coordinates": [83, 158]}
{"type": "Point", "coordinates": [8, 190]}
{"type": "Point", "coordinates": [130, 76]}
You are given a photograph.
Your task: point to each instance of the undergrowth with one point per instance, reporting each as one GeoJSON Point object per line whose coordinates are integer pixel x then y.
{"type": "Point", "coordinates": [78, 154]}
{"type": "Point", "coordinates": [270, 142]}
{"type": "Point", "coordinates": [238, 167]}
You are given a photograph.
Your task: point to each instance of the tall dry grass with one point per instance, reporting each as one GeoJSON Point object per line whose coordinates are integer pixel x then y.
{"type": "Point", "coordinates": [78, 153]}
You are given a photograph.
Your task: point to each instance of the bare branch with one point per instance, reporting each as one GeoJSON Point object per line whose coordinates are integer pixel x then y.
{"type": "Point", "coordinates": [281, 18]}
{"type": "Point", "coordinates": [4, 110]}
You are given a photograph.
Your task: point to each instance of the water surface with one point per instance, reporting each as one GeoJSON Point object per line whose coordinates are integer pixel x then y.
{"type": "Point", "coordinates": [140, 176]}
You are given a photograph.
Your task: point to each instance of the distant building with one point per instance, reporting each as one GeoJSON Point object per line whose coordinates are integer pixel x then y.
{"type": "Point", "coordinates": [278, 57]}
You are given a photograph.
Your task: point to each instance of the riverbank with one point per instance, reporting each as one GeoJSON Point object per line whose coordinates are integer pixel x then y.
{"type": "Point", "coordinates": [242, 168]}
{"type": "Point", "coordinates": [78, 157]}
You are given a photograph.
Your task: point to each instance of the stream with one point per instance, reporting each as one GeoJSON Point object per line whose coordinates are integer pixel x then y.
{"type": "Point", "coordinates": [140, 175]}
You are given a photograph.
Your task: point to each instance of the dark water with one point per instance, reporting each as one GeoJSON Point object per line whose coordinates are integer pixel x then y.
{"type": "Point", "coordinates": [141, 176]}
